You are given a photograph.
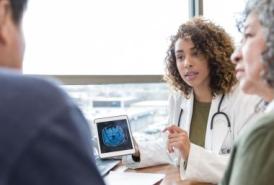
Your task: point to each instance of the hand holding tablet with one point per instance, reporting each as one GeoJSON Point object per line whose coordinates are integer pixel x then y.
{"type": "Point", "coordinates": [114, 136]}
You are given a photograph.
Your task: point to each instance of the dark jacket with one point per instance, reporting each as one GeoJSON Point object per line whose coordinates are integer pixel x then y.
{"type": "Point", "coordinates": [44, 138]}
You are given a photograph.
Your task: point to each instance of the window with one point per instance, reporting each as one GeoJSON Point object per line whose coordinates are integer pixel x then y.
{"type": "Point", "coordinates": [109, 40]}
{"type": "Point", "coordinates": [100, 37]}
{"type": "Point", "coordinates": [144, 104]}
{"type": "Point", "coordinates": [225, 14]}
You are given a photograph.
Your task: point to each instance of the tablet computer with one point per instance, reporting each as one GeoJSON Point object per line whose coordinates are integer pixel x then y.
{"type": "Point", "coordinates": [114, 136]}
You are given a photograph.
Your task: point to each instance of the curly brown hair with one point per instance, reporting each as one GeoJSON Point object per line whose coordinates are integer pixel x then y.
{"type": "Point", "coordinates": [213, 43]}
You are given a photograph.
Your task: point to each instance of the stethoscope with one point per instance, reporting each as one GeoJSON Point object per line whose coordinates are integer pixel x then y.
{"type": "Point", "coordinates": [219, 112]}
{"type": "Point", "coordinates": [224, 150]}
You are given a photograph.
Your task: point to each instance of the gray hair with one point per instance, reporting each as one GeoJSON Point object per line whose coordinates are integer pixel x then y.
{"type": "Point", "coordinates": [264, 9]}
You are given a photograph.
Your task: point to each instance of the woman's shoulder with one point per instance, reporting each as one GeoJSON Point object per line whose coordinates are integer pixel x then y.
{"type": "Point", "coordinates": [235, 91]}
{"type": "Point", "coordinates": [263, 129]}
{"type": "Point", "coordinates": [265, 123]}
{"type": "Point", "coordinates": [236, 94]}
{"type": "Point", "coordinates": [176, 95]}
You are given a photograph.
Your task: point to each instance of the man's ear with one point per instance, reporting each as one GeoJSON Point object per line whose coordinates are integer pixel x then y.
{"type": "Point", "coordinates": [4, 16]}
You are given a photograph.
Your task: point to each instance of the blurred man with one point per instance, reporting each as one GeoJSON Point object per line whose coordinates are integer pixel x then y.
{"type": "Point", "coordinates": [44, 138]}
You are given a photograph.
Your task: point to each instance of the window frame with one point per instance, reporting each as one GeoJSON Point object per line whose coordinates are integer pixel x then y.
{"type": "Point", "coordinates": [105, 79]}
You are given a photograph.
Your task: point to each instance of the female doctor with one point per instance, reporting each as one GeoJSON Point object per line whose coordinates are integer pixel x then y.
{"type": "Point", "coordinates": [207, 110]}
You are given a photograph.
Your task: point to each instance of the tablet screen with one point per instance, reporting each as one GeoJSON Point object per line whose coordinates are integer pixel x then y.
{"type": "Point", "coordinates": [114, 136]}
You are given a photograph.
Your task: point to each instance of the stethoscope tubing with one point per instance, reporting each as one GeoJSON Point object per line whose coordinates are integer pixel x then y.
{"type": "Point", "coordinates": [219, 112]}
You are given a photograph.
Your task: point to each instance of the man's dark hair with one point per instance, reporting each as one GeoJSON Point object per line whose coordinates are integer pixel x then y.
{"type": "Point", "coordinates": [17, 8]}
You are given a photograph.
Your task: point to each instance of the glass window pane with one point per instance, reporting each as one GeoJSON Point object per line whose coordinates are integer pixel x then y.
{"type": "Point", "coordinates": [100, 37]}
{"type": "Point", "coordinates": [145, 105]}
{"type": "Point", "coordinates": [225, 14]}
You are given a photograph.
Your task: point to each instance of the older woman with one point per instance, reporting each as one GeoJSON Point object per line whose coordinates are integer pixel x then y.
{"type": "Point", "coordinates": [252, 159]}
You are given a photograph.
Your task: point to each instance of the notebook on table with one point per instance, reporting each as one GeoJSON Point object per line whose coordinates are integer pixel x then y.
{"type": "Point", "coordinates": [132, 178]}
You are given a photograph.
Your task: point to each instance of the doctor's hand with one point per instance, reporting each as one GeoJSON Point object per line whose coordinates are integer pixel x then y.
{"type": "Point", "coordinates": [136, 156]}
{"type": "Point", "coordinates": [178, 138]}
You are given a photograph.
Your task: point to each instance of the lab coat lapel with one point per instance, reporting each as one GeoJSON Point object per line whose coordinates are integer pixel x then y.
{"type": "Point", "coordinates": [187, 106]}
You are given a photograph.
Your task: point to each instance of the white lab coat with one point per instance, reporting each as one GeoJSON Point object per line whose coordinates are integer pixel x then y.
{"type": "Point", "coordinates": [204, 164]}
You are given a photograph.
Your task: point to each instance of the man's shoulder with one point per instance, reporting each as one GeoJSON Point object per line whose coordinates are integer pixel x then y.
{"type": "Point", "coordinates": [29, 105]}
{"type": "Point", "coordinates": [14, 79]}
{"type": "Point", "coordinates": [28, 95]}
{"type": "Point", "coordinates": [28, 87]}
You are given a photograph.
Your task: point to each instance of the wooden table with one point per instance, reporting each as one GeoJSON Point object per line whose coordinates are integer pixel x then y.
{"type": "Point", "coordinates": [172, 175]}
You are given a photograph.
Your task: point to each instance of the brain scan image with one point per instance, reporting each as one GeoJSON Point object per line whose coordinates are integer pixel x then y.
{"type": "Point", "coordinates": [113, 136]}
